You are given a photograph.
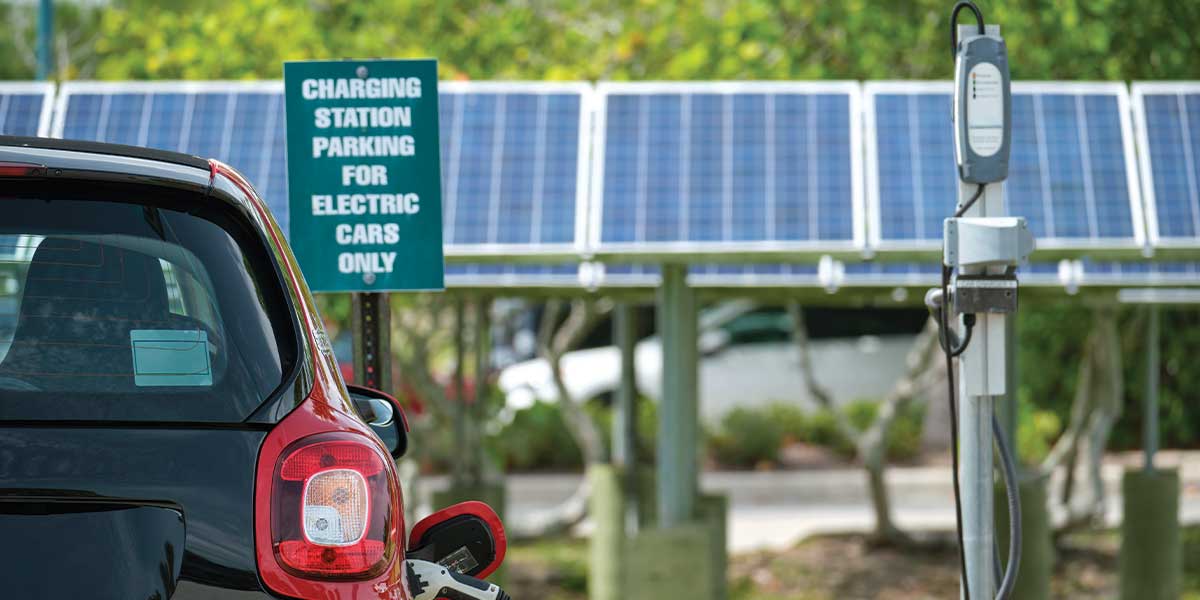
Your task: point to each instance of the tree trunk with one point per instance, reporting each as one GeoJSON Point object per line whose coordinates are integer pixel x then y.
{"type": "Point", "coordinates": [871, 445]}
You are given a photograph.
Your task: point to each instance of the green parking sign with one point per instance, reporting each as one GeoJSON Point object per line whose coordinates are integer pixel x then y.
{"type": "Point", "coordinates": [364, 174]}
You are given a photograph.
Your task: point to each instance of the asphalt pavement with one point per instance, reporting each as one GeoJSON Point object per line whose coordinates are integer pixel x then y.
{"type": "Point", "coordinates": [776, 509]}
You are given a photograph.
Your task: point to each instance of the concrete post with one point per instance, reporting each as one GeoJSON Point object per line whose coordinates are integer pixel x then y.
{"type": "Point", "coordinates": [1151, 561]}
{"type": "Point", "coordinates": [606, 549]}
{"type": "Point", "coordinates": [1037, 548]}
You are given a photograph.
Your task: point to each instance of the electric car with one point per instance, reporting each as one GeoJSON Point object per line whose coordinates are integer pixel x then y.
{"type": "Point", "coordinates": [173, 423]}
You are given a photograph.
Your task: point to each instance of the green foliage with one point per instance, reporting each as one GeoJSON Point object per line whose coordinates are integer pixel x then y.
{"type": "Point", "coordinates": [1036, 430]}
{"type": "Point", "coordinates": [537, 439]}
{"type": "Point", "coordinates": [750, 437]}
{"type": "Point", "coordinates": [747, 437]}
{"type": "Point", "coordinates": [1051, 339]}
{"type": "Point", "coordinates": [615, 39]}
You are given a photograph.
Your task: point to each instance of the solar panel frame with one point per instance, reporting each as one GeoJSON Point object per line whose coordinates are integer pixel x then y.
{"type": "Point", "coordinates": [676, 251]}
{"type": "Point", "coordinates": [515, 275]}
{"type": "Point", "coordinates": [889, 249]}
{"type": "Point", "coordinates": [45, 88]}
{"type": "Point", "coordinates": [1141, 89]}
{"type": "Point", "coordinates": [522, 253]}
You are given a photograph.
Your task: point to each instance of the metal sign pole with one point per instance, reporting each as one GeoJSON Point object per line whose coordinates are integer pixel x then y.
{"type": "Point", "coordinates": [371, 319]}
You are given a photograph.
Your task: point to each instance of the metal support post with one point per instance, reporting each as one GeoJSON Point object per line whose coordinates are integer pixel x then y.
{"type": "Point", "coordinates": [371, 319]}
{"type": "Point", "coordinates": [625, 410]}
{"type": "Point", "coordinates": [1150, 420]}
{"type": "Point", "coordinates": [678, 441]}
{"type": "Point", "coordinates": [478, 408]}
{"type": "Point", "coordinates": [45, 39]}
{"type": "Point", "coordinates": [983, 378]}
{"type": "Point", "coordinates": [459, 406]}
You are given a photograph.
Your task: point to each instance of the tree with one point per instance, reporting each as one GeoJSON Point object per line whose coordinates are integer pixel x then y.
{"type": "Point", "coordinates": [870, 446]}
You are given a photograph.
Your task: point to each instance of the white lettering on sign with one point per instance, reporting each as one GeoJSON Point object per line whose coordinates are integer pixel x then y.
{"type": "Point", "coordinates": [364, 175]}
{"type": "Point", "coordinates": [354, 234]}
{"type": "Point", "coordinates": [362, 116]}
{"type": "Point", "coordinates": [366, 262]}
{"type": "Point", "coordinates": [370, 88]}
{"type": "Point", "coordinates": [330, 205]}
{"type": "Point", "coordinates": [358, 146]}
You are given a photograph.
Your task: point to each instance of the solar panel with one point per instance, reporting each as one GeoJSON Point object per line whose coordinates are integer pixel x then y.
{"type": "Point", "coordinates": [514, 165]}
{"type": "Point", "coordinates": [240, 123]}
{"type": "Point", "coordinates": [1167, 117]}
{"type": "Point", "coordinates": [513, 154]}
{"type": "Point", "coordinates": [25, 107]}
{"type": "Point", "coordinates": [1072, 173]}
{"type": "Point", "coordinates": [719, 168]}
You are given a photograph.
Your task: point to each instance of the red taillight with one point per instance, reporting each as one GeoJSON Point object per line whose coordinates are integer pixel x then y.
{"type": "Point", "coordinates": [331, 508]}
{"type": "Point", "coordinates": [9, 169]}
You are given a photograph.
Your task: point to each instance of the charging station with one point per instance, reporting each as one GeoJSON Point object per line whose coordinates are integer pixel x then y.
{"type": "Point", "coordinates": [982, 247]}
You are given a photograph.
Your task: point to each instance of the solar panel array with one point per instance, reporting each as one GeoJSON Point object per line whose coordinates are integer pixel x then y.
{"type": "Point", "coordinates": [1071, 173]}
{"type": "Point", "coordinates": [1168, 119]}
{"type": "Point", "coordinates": [25, 108]}
{"type": "Point", "coordinates": [512, 154]}
{"type": "Point", "coordinates": [709, 167]}
{"type": "Point", "coordinates": [715, 168]}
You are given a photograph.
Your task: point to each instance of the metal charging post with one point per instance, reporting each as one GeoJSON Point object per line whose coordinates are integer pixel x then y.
{"type": "Point", "coordinates": [982, 247]}
{"type": "Point", "coordinates": [982, 378]}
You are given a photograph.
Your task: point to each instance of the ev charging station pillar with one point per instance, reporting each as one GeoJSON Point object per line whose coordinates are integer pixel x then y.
{"type": "Point", "coordinates": [982, 372]}
{"type": "Point", "coordinates": [678, 414]}
{"type": "Point", "coordinates": [1151, 559]}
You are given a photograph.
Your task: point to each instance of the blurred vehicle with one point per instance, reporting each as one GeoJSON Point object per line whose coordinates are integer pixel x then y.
{"type": "Point", "coordinates": [172, 419]}
{"type": "Point", "coordinates": [747, 356]}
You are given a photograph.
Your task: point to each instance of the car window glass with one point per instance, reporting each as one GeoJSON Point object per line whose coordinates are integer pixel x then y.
{"type": "Point", "coordinates": [125, 310]}
{"type": "Point", "coordinates": [757, 326]}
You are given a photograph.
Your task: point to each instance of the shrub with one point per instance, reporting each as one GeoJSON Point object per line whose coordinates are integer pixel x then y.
{"type": "Point", "coordinates": [746, 438]}
{"type": "Point", "coordinates": [1036, 430]}
{"type": "Point", "coordinates": [536, 440]}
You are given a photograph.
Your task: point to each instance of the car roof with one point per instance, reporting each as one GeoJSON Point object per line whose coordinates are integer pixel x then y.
{"type": "Point", "coordinates": [166, 156]}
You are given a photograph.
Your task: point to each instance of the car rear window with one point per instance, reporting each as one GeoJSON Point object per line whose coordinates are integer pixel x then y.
{"type": "Point", "coordinates": [136, 303]}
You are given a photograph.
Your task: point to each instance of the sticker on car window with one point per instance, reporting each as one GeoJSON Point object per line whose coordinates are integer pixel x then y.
{"type": "Point", "coordinates": [170, 357]}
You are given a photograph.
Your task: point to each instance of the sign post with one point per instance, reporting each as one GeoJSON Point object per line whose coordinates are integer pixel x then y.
{"type": "Point", "coordinates": [364, 180]}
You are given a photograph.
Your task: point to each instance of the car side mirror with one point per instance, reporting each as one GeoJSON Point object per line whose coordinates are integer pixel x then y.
{"type": "Point", "coordinates": [466, 538]}
{"type": "Point", "coordinates": [385, 416]}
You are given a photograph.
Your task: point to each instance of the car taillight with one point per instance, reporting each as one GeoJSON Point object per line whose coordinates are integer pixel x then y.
{"type": "Point", "coordinates": [9, 169]}
{"type": "Point", "coordinates": [331, 508]}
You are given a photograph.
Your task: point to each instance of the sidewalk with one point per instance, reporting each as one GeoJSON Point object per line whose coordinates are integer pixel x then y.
{"type": "Point", "coordinates": [776, 509]}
